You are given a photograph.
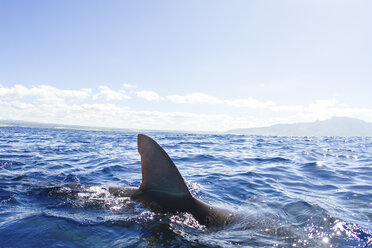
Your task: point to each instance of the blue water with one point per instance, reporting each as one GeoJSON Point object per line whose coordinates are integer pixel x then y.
{"type": "Point", "coordinates": [287, 191]}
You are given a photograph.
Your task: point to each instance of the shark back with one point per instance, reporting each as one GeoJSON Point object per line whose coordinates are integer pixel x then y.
{"type": "Point", "coordinates": [163, 187]}
{"type": "Point", "coordinates": [159, 173]}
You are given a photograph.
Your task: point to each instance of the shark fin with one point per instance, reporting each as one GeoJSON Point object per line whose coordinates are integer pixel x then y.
{"type": "Point", "coordinates": [159, 173]}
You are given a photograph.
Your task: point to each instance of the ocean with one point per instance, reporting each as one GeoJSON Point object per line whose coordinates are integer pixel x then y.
{"type": "Point", "coordinates": [287, 191]}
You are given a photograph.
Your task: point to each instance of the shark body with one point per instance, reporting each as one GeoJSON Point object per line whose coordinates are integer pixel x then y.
{"type": "Point", "coordinates": [164, 189]}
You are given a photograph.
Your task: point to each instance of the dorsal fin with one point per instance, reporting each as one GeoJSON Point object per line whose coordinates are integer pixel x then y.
{"type": "Point", "coordinates": [159, 173]}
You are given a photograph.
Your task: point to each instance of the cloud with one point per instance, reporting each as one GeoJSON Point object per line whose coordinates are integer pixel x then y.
{"type": "Point", "coordinates": [49, 93]}
{"type": "Point", "coordinates": [194, 98]}
{"type": "Point", "coordinates": [80, 107]}
{"type": "Point", "coordinates": [129, 86]}
{"type": "Point", "coordinates": [250, 103]}
{"type": "Point", "coordinates": [268, 105]}
{"type": "Point", "coordinates": [112, 115]}
{"type": "Point", "coordinates": [19, 105]}
{"type": "Point", "coordinates": [320, 109]}
{"type": "Point", "coordinates": [107, 94]}
{"type": "Point", "coordinates": [42, 93]}
{"type": "Point", "coordinates": [148, 95]}
{"type": "Point", "coordinates": [287, 108]}
{"type": "Point", "coordinates": [16, 92]}
{"type": "Point", "coordinates": [327, 108]}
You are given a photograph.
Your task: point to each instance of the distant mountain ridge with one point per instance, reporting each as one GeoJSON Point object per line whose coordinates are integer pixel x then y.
{"type": "Point", "coordinates": [336, 126]}
{"type": "Point", "coordinates": [16, 123]}
{"type": "Point", "coordinates": [31, 124]}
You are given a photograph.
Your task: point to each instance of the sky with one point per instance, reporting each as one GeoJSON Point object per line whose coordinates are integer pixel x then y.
{"type": "Point", "coordinates": [196, 65]}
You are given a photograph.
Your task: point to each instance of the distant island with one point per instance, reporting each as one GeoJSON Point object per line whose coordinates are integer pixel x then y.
{"type": "Point", "coordinates": [16, 123]}
{"type": "Point", "coordinates": [31, 124]}
{"type": "Point", "coordinates": [336, 126]}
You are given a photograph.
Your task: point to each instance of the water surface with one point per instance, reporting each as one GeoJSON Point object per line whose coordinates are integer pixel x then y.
{"type": "Point", "coordinates": [287, 191]}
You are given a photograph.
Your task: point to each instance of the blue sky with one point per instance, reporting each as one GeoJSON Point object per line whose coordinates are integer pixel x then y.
{"type": "Point", "coordinates": [185, 65]}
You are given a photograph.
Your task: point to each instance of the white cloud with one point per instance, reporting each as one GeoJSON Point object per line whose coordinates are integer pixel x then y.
{"type": "Point", "coordinates": [148, 95]}
{"type": "Point", "coordinates": [327, 108]}
{"type": "Point", "coordinates": [287, 108]}
{"type": "Point", "coordinates": [129, 86]}
{"type": "Point", "coordinates": [16, 92]}
{"type": "Point", "coordinates": [269, 105]}
{"type": "Point", "coordinates": [194, 98]}
{"type": "Point", "coordinates": [111, 115]}
{"type": "Point", "coordinates": [110, 95]}
{"type": "Point", "coordinates": [250, 103]}
{"type": "Point", "coordinates": [49, 93]}
{"type": "Point", "coordinates": [43, 93]}
{"type": "Point", "coordinates": [48, 104]}
{"type": "Point", "coordinates": [20, 105]}
{"type": "Point", "coordinates": [318, 110]}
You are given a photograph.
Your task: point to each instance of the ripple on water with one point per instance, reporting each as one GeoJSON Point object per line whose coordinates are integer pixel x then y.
{"type": "Point", "coordinates": [287, 191]}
